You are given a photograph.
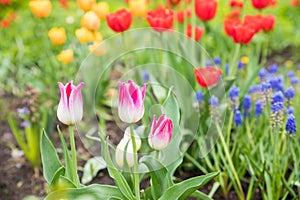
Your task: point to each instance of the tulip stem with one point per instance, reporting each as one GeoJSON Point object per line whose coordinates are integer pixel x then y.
{"type": "Point", "coordinates": [73, 153]}
{"type": "Point", "coordinates": [125, 49]}
{"type": "Point", "coordinates": [135, 166]}
{"type": "Point", "coordinates": [234, 62]}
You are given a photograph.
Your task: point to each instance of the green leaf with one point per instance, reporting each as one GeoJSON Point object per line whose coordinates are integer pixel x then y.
{"type": "Point", "coordinates": [60, 182]}
{"type": "Point", "coordinates": [200, 195]}
{"type": "Point", "coordinates": [172, 109]}
{"type": "Point", "coordinates": [92, 192]}
{"type": "Point", "coordinates": [159, 179]}
{"type": "Point", "coordinates": [91, 168]}
{"type": "Point", "coordinates": [185, 188]}
{"type": "Point", "coordinates": [67, 157]}
{"type": "Point", "coordinates": [50, 158]}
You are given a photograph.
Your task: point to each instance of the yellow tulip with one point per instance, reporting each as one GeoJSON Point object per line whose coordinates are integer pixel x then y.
{"type": "Point", "coordinates": [97, 48]}
{"type": "Point", "coordinates": [57, 36]}
{"type": "Point", "coordinates": [138, 8]}
{"type": "Point", "coordinates": [66, 56]}
{"type": "Point", "coordinates": [101, 9]}
{"type": "Point", "coordinates": [97, 37]}
{"type": "Point", "coordinates": [84, 35]}
{"type": "Point", "coordinates": [40, 8]}
{"type": "Point", "coordinates": [86, 5]}
{"type": "Point", "coordinates": [90, 20]}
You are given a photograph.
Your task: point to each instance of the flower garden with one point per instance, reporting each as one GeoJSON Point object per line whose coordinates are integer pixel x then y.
{"type": "Point", "coordinates": [150, 99]}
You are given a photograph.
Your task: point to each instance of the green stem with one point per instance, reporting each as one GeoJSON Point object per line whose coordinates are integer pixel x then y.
{"type": "Point", "coordinates": [73, 153]}
{"type": "Point", "coordinates": [125, 49]}
{"type": "Point", "coordinates": [227, 154]}
{"type": "Point", "coordinates": [135, 166]}
{"type": "Point", "coordinates": [234, 61]}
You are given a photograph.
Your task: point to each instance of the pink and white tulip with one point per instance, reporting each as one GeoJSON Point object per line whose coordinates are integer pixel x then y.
{"type": "Point", "coordinates": [160, 133]}
{"type": "Point", "coordinates": [131, 102]}
{"type": "Point", "coordinates": [70, 107]}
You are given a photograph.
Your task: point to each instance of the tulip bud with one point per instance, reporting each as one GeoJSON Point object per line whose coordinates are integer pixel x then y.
{"type": "Point", "coordinates": [124, 151]}
{"type": "Point", "coordinates": [40, 8]}
{"type": "Point", "coordinates": [57, 36]}
{"type": "Point", "coordinates": [70, 107]}
{"type": "Point", "coordinates": [131, 102]}
{"type": "Point", "coordinates": [84, 35]}
{"type": "Point", "coordinates": [138, 141]}
{"type": "Point", "coordinates": [66, 56]}
{"type": "Point", "coordinates": [85, 4]}
{"type": "Point", "coordinates": [101, 9]}
{"type": "Point", "coordinates": [91, 21]}
{"type": "Point", "coordinates": [160, 133]}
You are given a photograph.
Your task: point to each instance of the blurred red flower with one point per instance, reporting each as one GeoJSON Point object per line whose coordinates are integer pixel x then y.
{"type": "Point", "coordinates": [207, 76]}
{"type": "Point", "coordinates": [63, 3]}
{"type": "Point", "coordinates": [268, 23]}
{"type": "Point", "coordinates": [160, 19]}
{"type": "Point", "coordinates": [5, 2]}
{"type": "Point", "coordinates": [295, 3]}
{"type": "Point", "coordinates": [119, 21]}
{"type": "Point", "coordinates": [261, 4]}
{"type": "Point", "coordinates": [255, 21]}
{"type": "Point", "coordinates": [198, 32]}
{"type": "Point", "coordinates": [174, 2]}
{"type": "Point", "coordinates": [182, 15]}
{"type": "Point", "coordinates": [229, 25]}
{"type": "Point", "coordinates": [206, 9]}
{"type": "Point", "coordinates": [242, 33]}
{"type": "Point", "coordinates": [236, 4]}
{"type": "Point", "coordinates": [5, 23]}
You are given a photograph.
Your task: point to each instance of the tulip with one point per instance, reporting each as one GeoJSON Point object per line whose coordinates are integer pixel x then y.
{"type": "Point", "coordinates": [206, 9]}
{"type": "Point", "coordinates": [97, 48]}
{"type": "Point", "coordinates": [66, 56]}
{"type": "Point", "coordinates": [261, 4]}
{"type": "Point", "coordinates": [236, 4]}
{"type": "Point", "coordinates": [5, 2]}
{"type": "Point", "coordinates": [174, 2]}
{"type": "Point", "coordinates": [84, 35]}
{"type": "Point", "coordinates": [268, 23]}
{"type": "Point", "coordinates": [138, 141]}
{"type": "Point", "coordinates": [124, 151]}
{"type": "Point", "coordinates": [57, 36]}
{"type": "Point", "coordinates": [243, 33]}
{"type": "Point", "coordinates": [255, 21]}
{"type": "Point", "coordinates": [119, 21]}
{"type": "Point", "coordinates": [5, 23]}
{"type": "Point", "coordinates": [207, 76]}
{"type": "Point", "coordinates": [86, 5]}
{"type": "Point", "coordinates": [160, 19]}
{"type": "Point", "coordinates": [181, 15]}
{"type": "Point", "coordinates": [40, 8]}
{"type": "Point", "coordinates": [97, 37]}
{"type": "Point", "coordinates": [101, 9]}
{"type": "Point", "coordinates": [138, 8]}
{"type": "Point", "coordinates": [131, 102]}
{"type": "Point", "coordinates": [229, 25]}
{"type": "Point", "coordinates": [64, 3]}
{"type": "Point", "coordinates": [70, 107]}
{"type": "Point", "coordinates": [198, 32]}
{"type": "Point", "coordinates": [160, 133]}
{"type": "Point", "coordinates": [90, 21]}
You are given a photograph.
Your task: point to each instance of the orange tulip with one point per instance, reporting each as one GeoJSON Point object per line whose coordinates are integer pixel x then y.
{"type": "Point", "coordinates": [86, 5]}
{"type": "Point", "coordinates": [66, 56]}
{"type": "Point", "coordinates": [57, 36]}
{"type": "Point", "coordinates": [91, 21]}
{"type": "Point", "coordinates": [97, 37]}
{"type": "Point", "coordinates": [40, 8]}
{"type": "Point", "coordinates": [138, 8]}
{"type": "Point", "coordinates": [101, 9]}
{"type": "Point", "coordinates": [84, 35]}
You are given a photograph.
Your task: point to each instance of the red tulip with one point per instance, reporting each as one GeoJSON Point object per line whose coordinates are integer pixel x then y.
{"type": "Point", "coordinates": [255, 21]}
{"type": "Point", "coordinates": [160, 19]}
{"type": "Point", "coordinates": [206, 9]}
{"type": "Point", "coordinates": [236, 4]}
{"type": "Point", "coordinates": [295, 3]}
{"type": "Point", "coordinates": [198, 32]}
{"type": "Point", "coordinates": [235, 14]}
{"type": "Point", "coordinates": [207, 76]}
{"type": "Point", "coordinates": [242, 33]}
{"type": "Point", "coordinates": [229, 25]}
{"type": "Point", "coordinates": [119, 21]}
{"type": "Point", "coordinates": [268, 23]}
{"type": "Point", "coordinates": [182, 15]}
{"type": "Point", "coordinates": [261, 4]}
{"type": "Point", "coordinates": [63, 3]}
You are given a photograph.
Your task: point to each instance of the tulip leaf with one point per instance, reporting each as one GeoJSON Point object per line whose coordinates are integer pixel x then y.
{"type": "Point", "coordinates": [185, 188]}
{"type": "Point", "coordinates": [91, 169]}
{"type": "Point", "coordinates": [159, 179]}
{"type": "Point", "coordinates": [60, 182]}
{"type": "Point", "coordinates": [92, 192]}
{"type": "Point", "coordinates": [50, 158]}
{"type": "Point", "coordinates": [172, 108]}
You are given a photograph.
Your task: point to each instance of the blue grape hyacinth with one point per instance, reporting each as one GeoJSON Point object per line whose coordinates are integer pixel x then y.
{"type": "Point", "coordinates": [290, 126]}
